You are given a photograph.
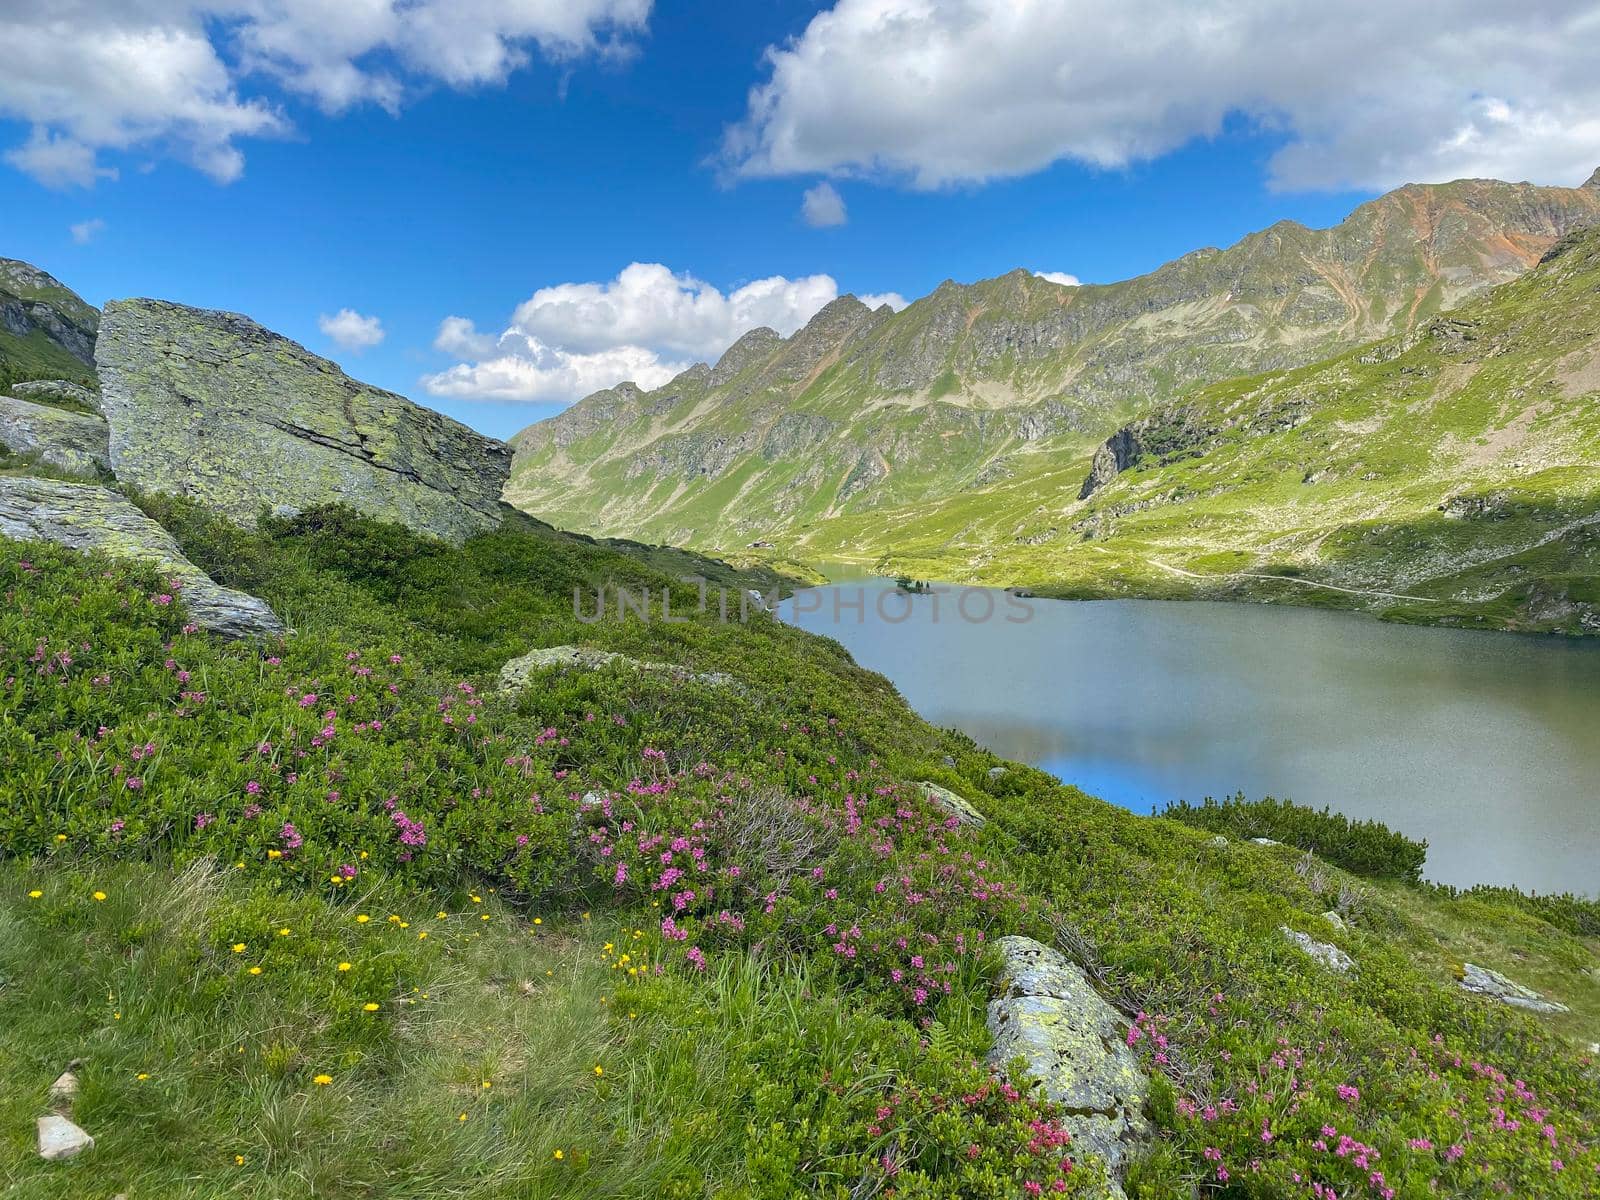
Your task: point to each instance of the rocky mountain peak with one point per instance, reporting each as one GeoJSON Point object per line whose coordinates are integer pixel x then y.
{"type": "Point", "coordinates": [45, 327]}
{"type": "Point", "coordinates": [750, 348]}
{"type": "Point", "coordinates": [1594, 180]}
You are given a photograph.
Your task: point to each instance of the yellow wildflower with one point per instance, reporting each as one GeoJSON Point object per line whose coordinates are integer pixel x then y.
{"type": "Point", "coordinates": [369, 1007]}
{"type": "Point", "coordinates": [362, 919]}
{"type": "Point", "coordinates": [99, 895]}
{"type": "Point", "coordinates": [322, 1080]}
{"type": "Point", "coordinates": [255, 970]}
{"type": "Point", "coordinates": [238, 947]}
{"type": "Point", "coordinates": [560, 1155]}
{"type": "Point", "coordinates": [35, 894]}
{"type": "Point", "coordinates": [344, 966]}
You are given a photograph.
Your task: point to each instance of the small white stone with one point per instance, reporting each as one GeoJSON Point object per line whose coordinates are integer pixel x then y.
{"type": "Point", "coordinates": [60, 1139]}
{"type": "Point", "coordinates": [1333, 918]}
{"type": "Point", "coordinates": [65, 1089]}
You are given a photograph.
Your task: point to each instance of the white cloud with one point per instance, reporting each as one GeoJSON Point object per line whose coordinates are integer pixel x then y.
{"type": "Point", "coordinates": [57, 161]}
{"type": "Point", "coordinates": [1365, 95]}
{"type": "Point", "coordinates": [92, 76]}
{"type": "Point", "coordinates": [822, 206]}
{"type": "Point", "coordinates": [85, 232]}
{"type": "Point", "coordinates": [525, 368]}
{"type": "Point", "coordinates": [646, 325]}
{"type": "Point", "coordinates": [459, 337]}
{"type": "Point", "coordinates": [350, 330]}
{"type": "Point", "coordinates": [1060, 277]}
{"type": "Point", "coordinates": [647, 305]}
{"type": "Point", "coordinates": [893, 299]}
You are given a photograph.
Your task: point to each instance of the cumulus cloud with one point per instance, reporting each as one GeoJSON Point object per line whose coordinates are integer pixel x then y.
{"type": "Point", "coordinates": [646, 325]}
{"type": "Point", "coordinates": [85, 232]}
{"type": "Point", "coordinates": [877, 299]}
{"type": "Point", "coordinates": [823, 206]}
{"type": "Point", "coordinates": [92, 76]}
{"type": "Point", "coordinates": [350, 330]}
{"type": "Point", "coordinates": [524, 368]}
{"type": "Point", "coordinates": [949, 91]}
{"type": "Point", "coordinates": [1060, 277]}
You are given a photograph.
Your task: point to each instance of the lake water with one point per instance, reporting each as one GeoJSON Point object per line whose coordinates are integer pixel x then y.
{"type": "Point", "coordinates": [1486, 744]}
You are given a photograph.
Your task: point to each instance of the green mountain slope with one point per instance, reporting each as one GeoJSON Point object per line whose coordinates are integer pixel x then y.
{"type": "Point", "coordinates": [989, 385]}
{"type": "Point", "coordinates": [1451, 474]}
{"type": "Point", "coordinates": [46, 330]}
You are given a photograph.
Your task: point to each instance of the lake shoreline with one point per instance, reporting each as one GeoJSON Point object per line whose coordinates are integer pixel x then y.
{"type": "Point", "coordinates": [1475, 744]}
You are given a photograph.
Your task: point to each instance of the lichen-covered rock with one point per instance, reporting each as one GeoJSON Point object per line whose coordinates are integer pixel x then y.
{"type": "Point", "coordinates": [213, 406]}
{"type": "Point", "coordinates": [57, 391]}
{"type": "Point", "coordinates": [518, 673]}
{"type": "Point", "coordinates": [1482, 981]}
{"type": "Point", "coordinates": [85, 517]}
{"type": "Point", "coordinates": [1325, 953]}
{"type": "Point", "coordinates": [60, 1139]}
{"type": "Point", "coordinates": [1048, 1014]}
{"type": "Point", "coordinates": [957, 806]}
{"type": "Point", "coordinates": [68, 441]}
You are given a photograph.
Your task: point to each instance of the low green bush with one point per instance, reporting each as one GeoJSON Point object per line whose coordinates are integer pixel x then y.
{"type": "Point", "coordinates": [1367, 848]}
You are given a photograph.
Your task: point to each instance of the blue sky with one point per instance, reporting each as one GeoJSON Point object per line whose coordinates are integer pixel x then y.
{"type": "Point", "coordinates": [461, 195]}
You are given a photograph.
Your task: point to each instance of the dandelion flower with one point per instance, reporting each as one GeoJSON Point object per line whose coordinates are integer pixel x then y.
{"type": "Point", "coordinates": [238, 947]}
{"type": "Point", "coordinates": [35, 894]}
{"type": "Point", "coordinates": [238, 1160]}
{"type": "Point", "coordinates": [538, 920]}
{"type": "Point", "coordinates": [442, 915]}
{"type": "Point", "coordinates": [283, 932]}
{"type": "Point", "coordinates": [344, 966]}
{"type": "Point", "coordinates": [484, 917]}
{"type": "Point", "coordinates": [255, 970]}
{"type": "Point", "coordinates": [322, 1080]}
{"type": "Point", "coordinates": [462, 1117]}
{"type": "Point", "coordinates": [142, 1076]}
{"type": "Point", "coordinates": [488, 1083]}
{"type": "Point", "coordinates": [560, 1155]}
{"type": "Point", "coordinates": [362, 919]}
{"type": "Point", "coordinates": [274, 853]}
{"type": "Point", "coordinates": [61, 837]}
{"type": "Point", "coordinates": [369, 1007]}
{"type": "Point", "coordinates": [599, 1070]}
{"type": "Point", "coordinates": [422, 936]}
{"type": "Point", "coordinates": [99, 895]}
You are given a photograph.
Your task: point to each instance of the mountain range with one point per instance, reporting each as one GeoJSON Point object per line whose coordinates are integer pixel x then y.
{"type": "Point", "coordinates": [950, 436]}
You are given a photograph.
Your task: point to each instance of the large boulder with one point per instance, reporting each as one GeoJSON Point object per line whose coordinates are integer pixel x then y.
{"type": "Point", "coordinates": [1048, 1014]}
{"type": "Point", "coordinates": [68, 441]}
{"type": "Point", "coordinates": [518, 674]}
{"type": "Point", "coordinates": [955, 805]}
{"type": "Point", "coordinates": [213, 406]}
{"type": "Point", "coordinates": [85, 517]}
{"type": "Point", "coordinates": [1481, 981]}
{"type": "Point", "coordinates": [1325, 953]}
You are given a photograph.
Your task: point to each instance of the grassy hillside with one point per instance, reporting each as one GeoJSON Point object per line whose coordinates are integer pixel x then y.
{"type": "Point", "coordinates": [46, 330]}
{"type": "Point", "coordinates": [1450, 476]}
{"type": "Point", "coordinates": [834, 434]}
{"type": "Point", "coordinates": [334, 917]}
